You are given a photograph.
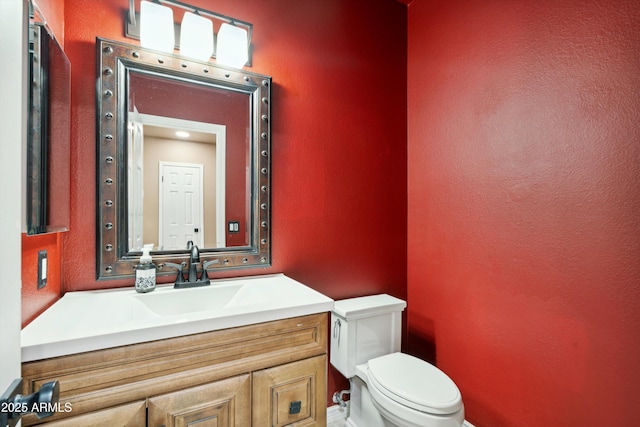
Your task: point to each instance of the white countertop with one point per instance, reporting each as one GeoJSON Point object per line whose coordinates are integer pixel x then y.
{"type": "Point", "coordinates": [94, 320]}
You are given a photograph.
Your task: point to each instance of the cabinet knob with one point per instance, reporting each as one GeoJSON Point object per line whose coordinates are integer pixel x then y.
{"type": "Point", "coordinates": [294, 407]}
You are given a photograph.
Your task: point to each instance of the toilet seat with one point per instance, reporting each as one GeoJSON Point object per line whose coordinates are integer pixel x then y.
{"type": "Point", "coordinates": [414, 383]}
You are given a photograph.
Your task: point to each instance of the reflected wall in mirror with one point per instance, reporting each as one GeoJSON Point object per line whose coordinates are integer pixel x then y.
{"type": "Point", "coordinates": [183, 155]}
{"type": "Point", "coordinates": [48, 155]}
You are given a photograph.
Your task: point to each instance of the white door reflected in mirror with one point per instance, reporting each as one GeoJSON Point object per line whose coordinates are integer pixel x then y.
{"type": "Point", "coordinates": [181, 211]}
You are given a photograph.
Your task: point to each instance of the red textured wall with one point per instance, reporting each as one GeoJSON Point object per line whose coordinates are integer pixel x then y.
{"type": "Point", "coordinates": [524, 204]}
{"type": "Point", "coordinates": [35, 301]}
{"type": "Point", "coordinates": [338, 138]}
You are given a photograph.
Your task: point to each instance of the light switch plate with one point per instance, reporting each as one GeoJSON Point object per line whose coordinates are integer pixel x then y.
{"type": "Point", "coordinates": [234, 226]}
{"type": "Point", "coordinates": [42, 269]}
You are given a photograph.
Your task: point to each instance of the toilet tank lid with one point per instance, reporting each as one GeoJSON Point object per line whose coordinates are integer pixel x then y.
{"type": "Point", "coordinates": [357, 308]}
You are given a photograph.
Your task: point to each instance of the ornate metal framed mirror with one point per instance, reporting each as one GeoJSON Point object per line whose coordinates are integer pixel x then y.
{"type": "Point", "coordinates": [48, 157]}
{"type": "Point", "coordinates": [211, 187]}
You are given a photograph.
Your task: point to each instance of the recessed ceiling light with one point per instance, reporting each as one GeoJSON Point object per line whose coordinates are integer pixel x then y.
{"type": "Point", "coordinates": [182, 134]}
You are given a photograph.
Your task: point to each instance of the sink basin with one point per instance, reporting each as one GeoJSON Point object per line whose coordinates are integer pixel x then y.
{"type": "Point", "coordinates": [191, 300]}
{"type": "Point", "coordinates": [93, 320]}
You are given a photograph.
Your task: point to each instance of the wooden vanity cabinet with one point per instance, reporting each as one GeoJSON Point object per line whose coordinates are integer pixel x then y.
{"type": "Point", "coordinates": [268, 374]}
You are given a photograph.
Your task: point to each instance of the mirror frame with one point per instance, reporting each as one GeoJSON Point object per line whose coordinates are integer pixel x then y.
{"type": "Point", "coordinates": [38, 130]}
{"type": "Point", "coordinates": [115, 60]}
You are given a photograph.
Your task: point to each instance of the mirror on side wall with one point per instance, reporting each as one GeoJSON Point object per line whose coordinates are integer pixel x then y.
{"type": "Point", "coordinates": [183, 156]}
{"type": "Point", "coordinates": [48, 155]}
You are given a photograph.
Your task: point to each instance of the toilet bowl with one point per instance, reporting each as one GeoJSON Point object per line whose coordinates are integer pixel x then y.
{"type": "Point", "coordinates": [388, 388]}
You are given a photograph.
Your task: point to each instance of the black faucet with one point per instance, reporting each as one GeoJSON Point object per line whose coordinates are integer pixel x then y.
{"type": "Point", "coordinates": [192, 278]}
{"type": "Point", "coordinates": [193, 260]}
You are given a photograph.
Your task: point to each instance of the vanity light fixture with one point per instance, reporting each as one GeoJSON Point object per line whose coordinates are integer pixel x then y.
{"type": "Point", "coordinates": [154, 26]}
{"type": "Point", "coordinates": [196, 37]}
{"type": "Point", "coordinates": [182, 134]}
{"type": "Point", "coordinates": [232, 46]}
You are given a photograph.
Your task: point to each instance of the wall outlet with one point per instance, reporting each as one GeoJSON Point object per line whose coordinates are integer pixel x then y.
{"type": "Point", "coordinates": [42, 269]}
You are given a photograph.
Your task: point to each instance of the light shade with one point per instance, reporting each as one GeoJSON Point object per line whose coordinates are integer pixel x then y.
{"type": "Point", "coordinates": [156, 27]}
{"type": "Point", "coordinates": [196, 37]}
{"type": "Point", "coordinates": [232, 47]}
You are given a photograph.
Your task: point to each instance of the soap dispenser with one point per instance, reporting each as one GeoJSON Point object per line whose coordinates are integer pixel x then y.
{"type": "Point", "coordinates": [146, 271]}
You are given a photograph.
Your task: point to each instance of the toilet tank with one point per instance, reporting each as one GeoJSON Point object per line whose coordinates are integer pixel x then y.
{"type": "Point", "coordinates": [364, 328]}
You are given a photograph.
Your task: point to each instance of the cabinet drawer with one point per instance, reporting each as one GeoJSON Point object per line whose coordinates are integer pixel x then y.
{"type": "Point", "coordinates": [291, 395]}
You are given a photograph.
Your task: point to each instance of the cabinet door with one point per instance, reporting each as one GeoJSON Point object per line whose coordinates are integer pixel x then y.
{"type": "Point", "coordinates": [130, 415]}
{"type": "Point", "coordinates": [224, 403]}
{"type": "Point", "coordinates": [291, 395]}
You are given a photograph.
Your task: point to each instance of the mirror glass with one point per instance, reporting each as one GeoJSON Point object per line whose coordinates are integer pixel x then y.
{"type": "Point", "coordinates": [183, 157]}
{"type": "Point", "coordinates": [187, 164]}
{"type": "Point", "coordinates": [48, 155]}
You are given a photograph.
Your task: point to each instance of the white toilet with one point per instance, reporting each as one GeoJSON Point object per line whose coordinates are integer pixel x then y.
{"type": "Point", "coordinates": [388, 388]}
